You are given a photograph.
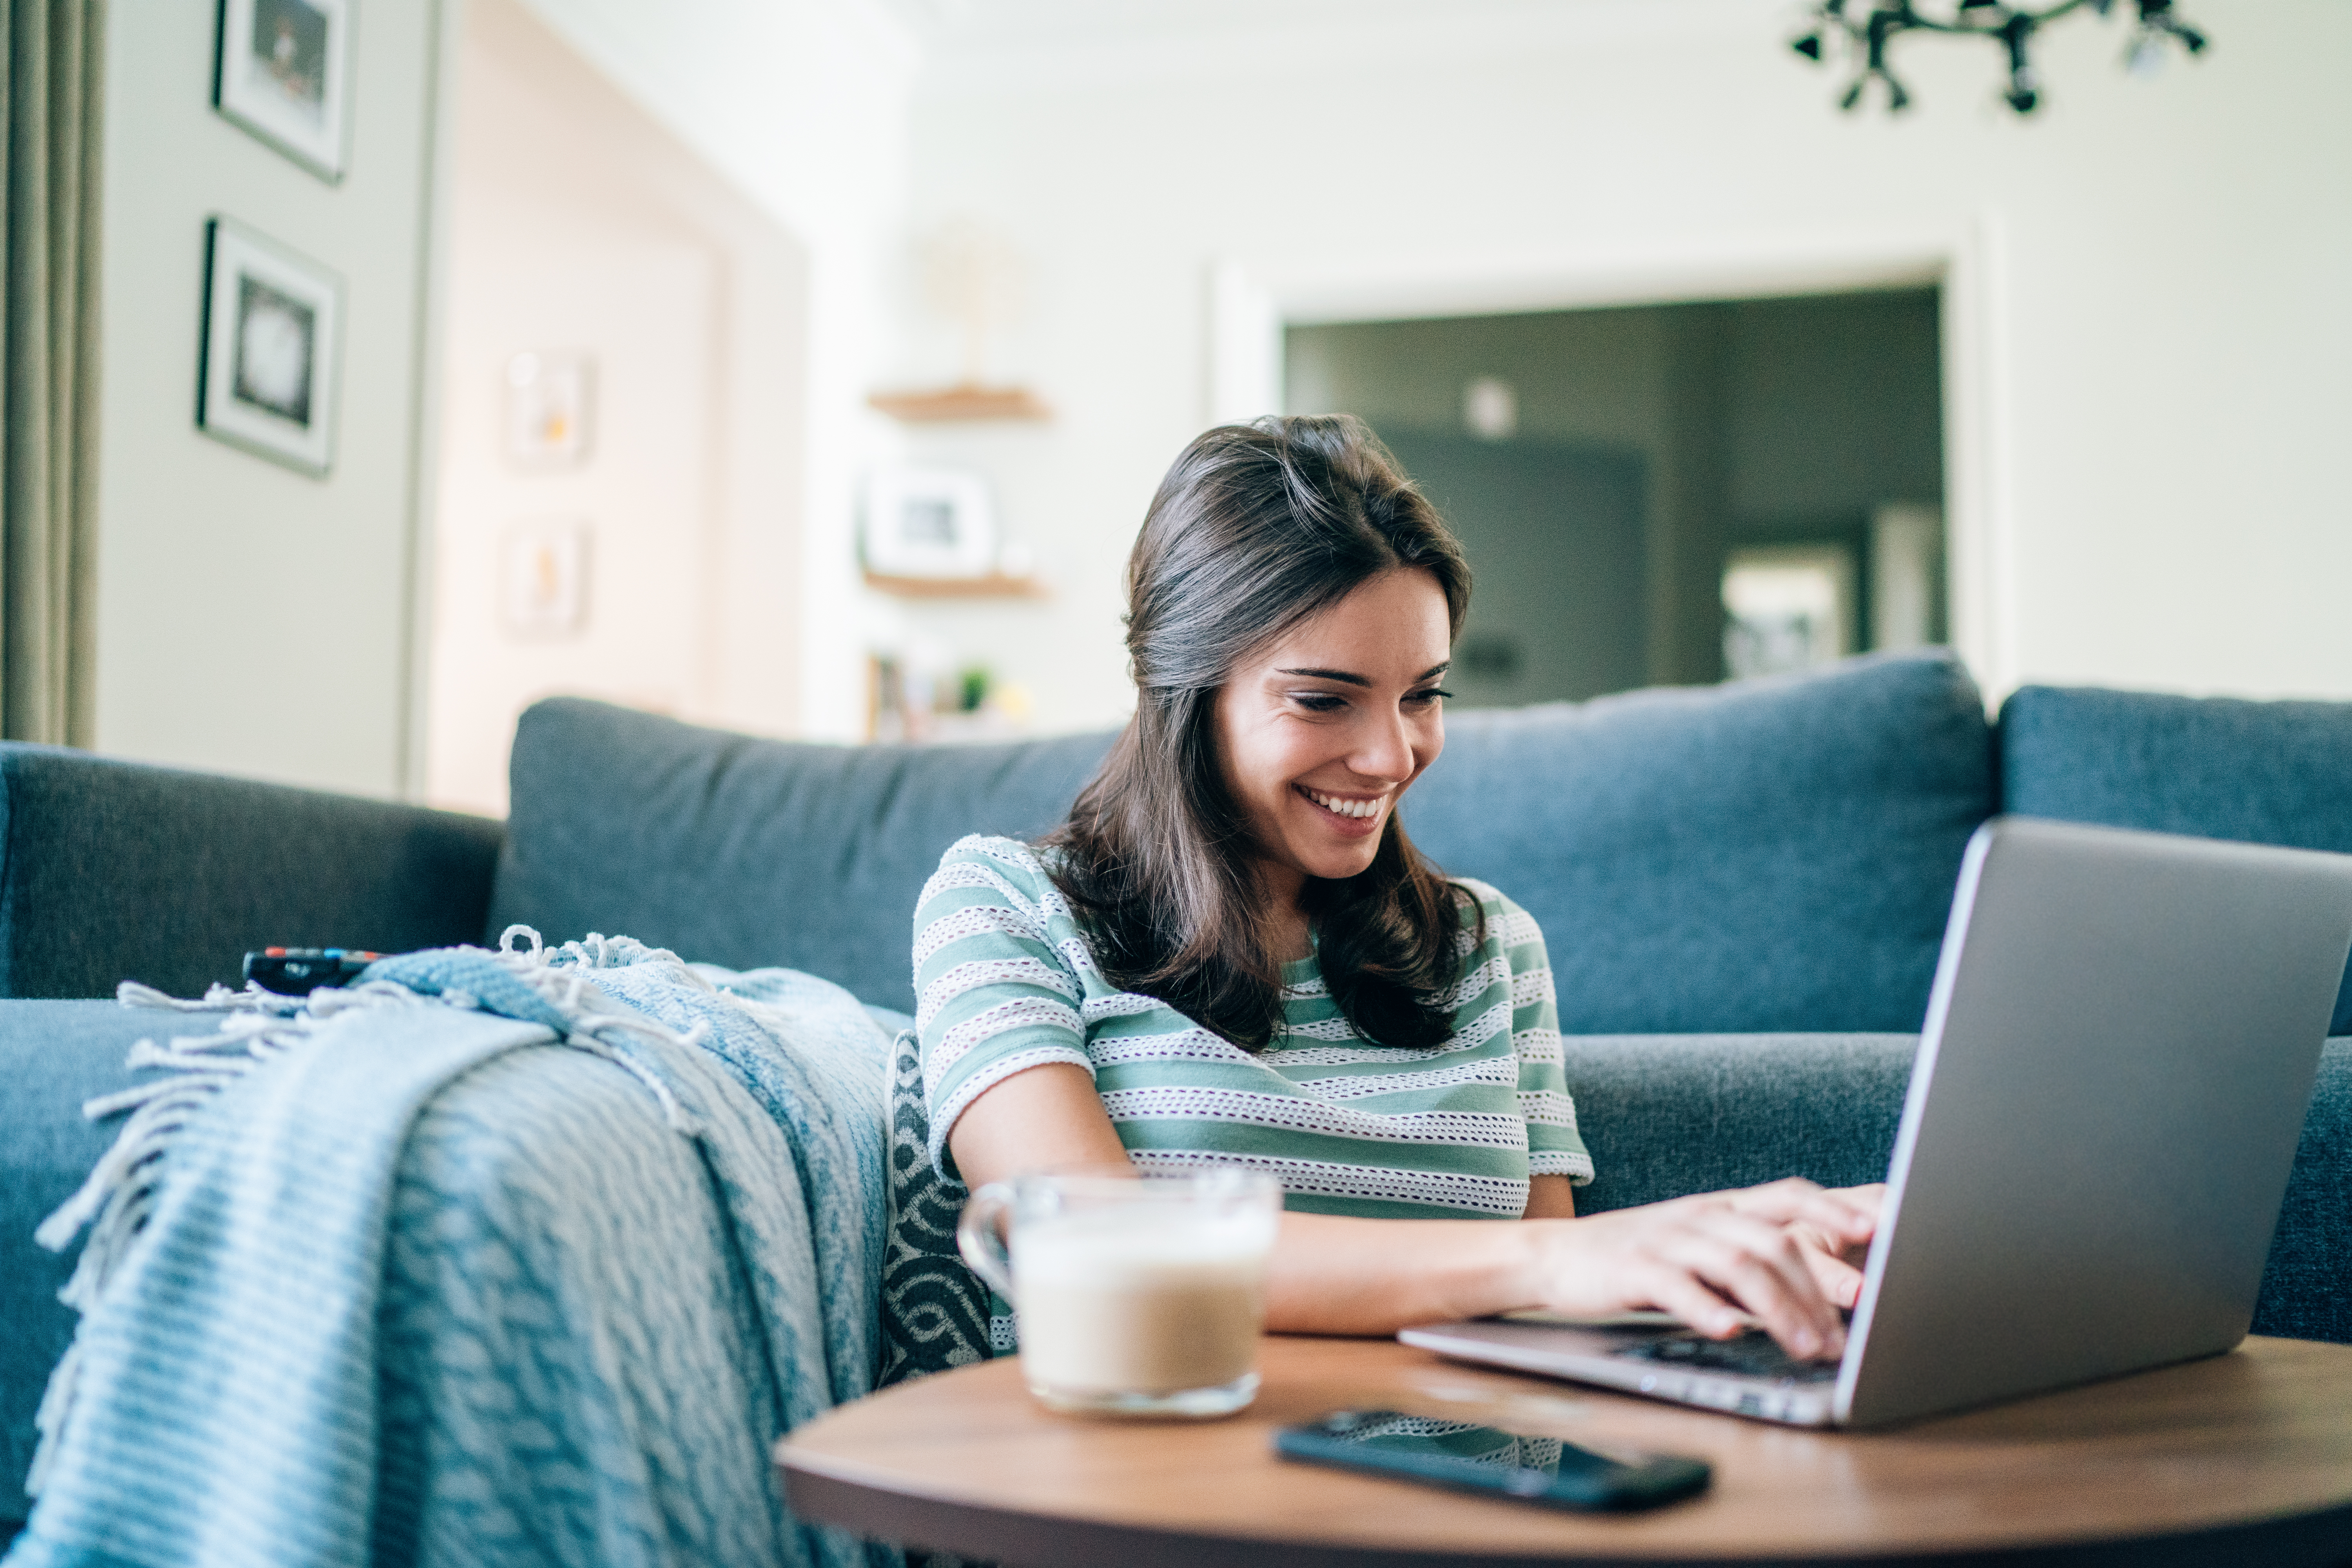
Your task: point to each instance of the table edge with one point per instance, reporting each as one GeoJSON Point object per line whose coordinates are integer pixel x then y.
{"type": "Point", "coordinates": [855, 1495]}
{"type": "Point", "coordinates": [1042, 1541]}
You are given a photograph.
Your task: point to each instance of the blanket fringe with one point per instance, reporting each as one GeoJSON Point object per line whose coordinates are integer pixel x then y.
{"type": "Point", "coordinates": [256, 1028]}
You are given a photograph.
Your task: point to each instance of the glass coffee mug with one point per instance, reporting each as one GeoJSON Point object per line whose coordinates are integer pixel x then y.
{"type": "Point", "coordinates": [1139, 1295]}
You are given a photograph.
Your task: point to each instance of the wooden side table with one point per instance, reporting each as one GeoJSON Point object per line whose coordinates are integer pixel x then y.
{"type": "Point", "coordinates": [2242, 1459]}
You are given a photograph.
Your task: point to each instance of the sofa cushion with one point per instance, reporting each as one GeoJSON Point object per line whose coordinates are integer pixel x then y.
{"type": "Point", "coordinates": [2265, 773]}
{"type": "Point", "coordinates": [1769, 854]}
{"type": "Point", "coordinates": [53, 1057]}
{"type": "Point", "coordinates": [2307, 1281]}
{"type": "Point", "coordinates": [935, 1313]}
{"type": "Point", "coordinates": [1667, 1115]}
{"type": "Point", "coordinates": [746, 852]}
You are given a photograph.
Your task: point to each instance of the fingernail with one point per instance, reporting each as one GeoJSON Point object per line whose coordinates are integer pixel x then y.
{"type": "Point", "coordinates": [1809, 1344]}
{"type": "Point", "coordinates": [1724, 1322]}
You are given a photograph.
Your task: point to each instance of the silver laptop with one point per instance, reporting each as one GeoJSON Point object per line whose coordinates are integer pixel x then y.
{"type": "Point", "coordinates": [2119, 1051]}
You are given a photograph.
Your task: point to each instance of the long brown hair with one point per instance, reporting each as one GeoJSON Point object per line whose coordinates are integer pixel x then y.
{"type": "Point", "coordinates": [1257, 528]}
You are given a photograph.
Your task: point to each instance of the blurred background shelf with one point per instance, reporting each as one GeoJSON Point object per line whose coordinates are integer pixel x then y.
{"type": "Point", "coordinates": [967, 401]}
{"type": "Point", "coordinates": [995, 585]}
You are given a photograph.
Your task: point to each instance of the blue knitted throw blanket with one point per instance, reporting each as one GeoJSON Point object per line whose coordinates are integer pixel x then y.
{"type": "Point", "coordinates": [409, 1272]}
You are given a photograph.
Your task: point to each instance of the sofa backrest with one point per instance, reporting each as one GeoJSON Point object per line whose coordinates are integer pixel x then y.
{"type": "Point", "coordinates": [731, 849]}
{"type": "Point", "coordinates": [1770, 855]}
{"type": "Point", "coordinates": [112, 870]}
{"type": "Point", "coordinates": [2262, 772]}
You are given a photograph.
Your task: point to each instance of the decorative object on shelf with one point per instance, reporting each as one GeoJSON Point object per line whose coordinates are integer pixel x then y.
{"type": "Point", "coordinates": [551, 408]}
{"type": "Point", "coordinates": [265, 376]}
{"type": "Point", "coordinates": [1010, 578]}
{"type": "Point", "coordinates": [1864, 28]}
{"type": "Point", "coordinates": [544, 578]}
{"type": "Point", "coordinates": [282, 69]}
{"type": "Point", "coordinates": [928, 523]}
{"type": "Point", "coordinates": [914, 698]}
{"type": "Point", "coordinates": [973, 275]}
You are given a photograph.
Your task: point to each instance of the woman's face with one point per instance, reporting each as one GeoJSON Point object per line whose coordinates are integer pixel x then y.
{"type": "Point", "coordinates": [1320, 732]}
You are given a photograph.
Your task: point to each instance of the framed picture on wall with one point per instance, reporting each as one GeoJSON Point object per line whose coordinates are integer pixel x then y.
{"type": "Point", "coordinates": [544, 578]}
{"type": "Point", "coordinates": [551, 408]}
{"type": "Point", "coordinates": [281, 69]}
{"type": "Point", "coordinates": [266, 376]}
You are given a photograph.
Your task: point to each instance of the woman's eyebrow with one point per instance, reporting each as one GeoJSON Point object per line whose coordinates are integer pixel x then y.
{"type": "Point", "coordinates": [1432, 673]}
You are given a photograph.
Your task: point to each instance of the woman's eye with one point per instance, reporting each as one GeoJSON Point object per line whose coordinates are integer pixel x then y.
{"type": "Point", "coordinates": [1428, 694]}
{"type": "Point", "coordinates": [1318, 701]}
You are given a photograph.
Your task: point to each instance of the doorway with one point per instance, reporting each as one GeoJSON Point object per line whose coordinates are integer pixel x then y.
{"type": "Point", "coordinates": [1665, 494]}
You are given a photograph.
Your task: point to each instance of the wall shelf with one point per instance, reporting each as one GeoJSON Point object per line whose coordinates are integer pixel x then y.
{"type": "Point", "coordinates": [964, 402]}
{"type": "Point", "coordinates": [995, 585]}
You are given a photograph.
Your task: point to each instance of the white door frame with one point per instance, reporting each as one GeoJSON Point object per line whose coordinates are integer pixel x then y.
{"type": "Point", "coordinates": [1250, 304]}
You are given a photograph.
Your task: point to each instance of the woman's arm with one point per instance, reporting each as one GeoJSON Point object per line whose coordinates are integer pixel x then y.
{"type": "Point", "coordinates": [1551, 1197]}
{"type": "Point", "coordinates": [1717, 1261]}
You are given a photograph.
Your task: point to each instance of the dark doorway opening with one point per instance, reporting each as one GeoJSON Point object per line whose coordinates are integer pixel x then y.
{"type": "Point", "coordinates": [1669, 494]}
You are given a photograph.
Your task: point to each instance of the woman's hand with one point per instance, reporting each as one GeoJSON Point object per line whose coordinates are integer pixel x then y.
{"type": "Point", "coordinates": [1836, 1256]}
{"type": "Point", "coordinates": [1772, 1255]}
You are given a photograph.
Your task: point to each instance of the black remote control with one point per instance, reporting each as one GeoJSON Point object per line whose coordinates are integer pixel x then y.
{"type": "Point", "coordinates": [298, 970]}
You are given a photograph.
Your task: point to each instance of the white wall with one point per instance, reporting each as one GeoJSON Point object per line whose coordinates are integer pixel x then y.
{"type": "Point", "coordinates": [252, 619]}
{"type": "Point", "coordinates": [2158, 319]}
{"type": "Point", "coordinates": [577, 224]}
{"type": "Point", "coordinates": [802, 105]}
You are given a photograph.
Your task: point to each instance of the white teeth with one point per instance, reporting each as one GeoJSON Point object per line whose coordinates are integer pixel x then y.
{"type": "Point", "coordinates": [1357, 808]}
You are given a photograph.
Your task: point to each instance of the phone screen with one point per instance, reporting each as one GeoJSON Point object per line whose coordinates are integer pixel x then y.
{"type": "Point", "coordinates": [1469, 1457]}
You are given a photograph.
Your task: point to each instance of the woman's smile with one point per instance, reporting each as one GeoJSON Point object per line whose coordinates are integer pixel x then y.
{"type": "Point", "coordinates": [1350, 816]}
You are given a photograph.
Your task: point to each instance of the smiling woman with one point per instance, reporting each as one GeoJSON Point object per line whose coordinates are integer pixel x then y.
{"type": "Point", "coordinates": [1231, 954]}
{"type": "Point", "coordinates": [1291, 601]}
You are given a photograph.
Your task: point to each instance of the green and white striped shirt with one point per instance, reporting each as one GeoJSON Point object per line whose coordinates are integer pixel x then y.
{"type": "Point", "coordinates": [1005, 980]}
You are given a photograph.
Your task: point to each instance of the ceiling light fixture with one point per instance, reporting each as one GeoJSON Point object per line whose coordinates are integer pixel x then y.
{"type": "Point", "coordinates": [1863, 30]}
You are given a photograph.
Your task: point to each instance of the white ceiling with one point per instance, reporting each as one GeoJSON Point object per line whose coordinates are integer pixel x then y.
{"type": "Point", "coordinates": [1038, 33]}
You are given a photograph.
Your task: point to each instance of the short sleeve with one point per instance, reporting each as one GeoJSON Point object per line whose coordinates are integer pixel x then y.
{"type": "Point", "coordinates": [1554, 1147]}
{"type": "Point", "coordinates": [995, 992]}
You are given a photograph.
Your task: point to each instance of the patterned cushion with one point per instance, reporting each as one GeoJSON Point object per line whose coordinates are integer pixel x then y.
{"type": "Point", "coordinates": [935, 1314]}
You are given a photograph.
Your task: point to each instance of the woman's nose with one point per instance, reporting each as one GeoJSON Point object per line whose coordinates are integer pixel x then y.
{"type": "Point", "coordinates": [1385, 751]}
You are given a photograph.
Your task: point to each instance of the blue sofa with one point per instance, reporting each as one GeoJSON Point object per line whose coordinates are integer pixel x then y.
{"type": "Point", "coordinates": [1744, 889]}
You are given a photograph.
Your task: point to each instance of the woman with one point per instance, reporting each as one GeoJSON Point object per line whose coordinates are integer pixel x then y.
{"type": "Point", "coordinates": [1231, 952]}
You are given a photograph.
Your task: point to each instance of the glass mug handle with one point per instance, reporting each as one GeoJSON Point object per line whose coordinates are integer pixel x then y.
{"type": "Point", "coordinates": [980, 1237]}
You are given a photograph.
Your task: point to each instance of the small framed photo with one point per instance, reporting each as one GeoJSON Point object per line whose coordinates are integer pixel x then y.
{"type": "Point", "coordinates": [281, 69]}
{"type": "Point", "coordinates": [551, 408]}
{"type": "Point", "coordinates": [544, 578]}
{"type": "Point", "coordinates": [929, 522]}
{"type": "Point", "coordinates": [266, 379]}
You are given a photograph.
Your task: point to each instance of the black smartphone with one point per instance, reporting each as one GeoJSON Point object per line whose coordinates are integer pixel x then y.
{"type": "Point", "coordinates": [1470, 1458]}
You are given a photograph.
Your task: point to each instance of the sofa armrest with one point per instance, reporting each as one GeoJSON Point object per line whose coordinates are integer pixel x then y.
{"type": "Point", "coordinates": [113, 870]}
{"type": "Point", "coordinates": [1670, 1114]}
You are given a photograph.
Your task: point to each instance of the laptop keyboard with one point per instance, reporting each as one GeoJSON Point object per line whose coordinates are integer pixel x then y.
{"type": "Point", "coordinates": [1750, 1355]}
